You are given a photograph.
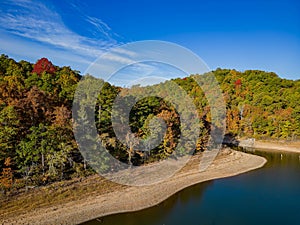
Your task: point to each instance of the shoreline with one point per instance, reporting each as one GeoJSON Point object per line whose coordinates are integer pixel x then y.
{"type": "Point", "coordinates": [228, 163]}
{"type": "Point", "coordinates": [277, 146]}
{"type": "Point", "coordinates": [293, 147]}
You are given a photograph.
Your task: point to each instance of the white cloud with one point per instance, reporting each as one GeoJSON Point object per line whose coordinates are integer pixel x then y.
{"type": "Point", "coordinates": [30, 30]}
{"type": "Point", "coordinates": [118, 58]}
{"type": "Point", "coordinates": [125, 52]}
{"type": "Point", "coordinates": [21, 49]}
{"type": "Point", "coordinates": [36, 21]}
{"type": "Point", "coordinates": [100, 26]}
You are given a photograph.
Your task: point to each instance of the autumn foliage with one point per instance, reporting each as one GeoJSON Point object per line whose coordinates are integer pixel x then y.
{"type": "Point", "coordinates": [37, 144]}
{"type": "Point", "coordinates": [43, 65]}
{"type": "Point", "coordinates": [238, 82]}
{"type": "Point", "coordinates": [6, 178]}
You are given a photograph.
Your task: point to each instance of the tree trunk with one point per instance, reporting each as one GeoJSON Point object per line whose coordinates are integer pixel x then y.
{"type": "Point", "coordinates": [84, 164]}
{"type": "Point", "coordinates": [43, 163]}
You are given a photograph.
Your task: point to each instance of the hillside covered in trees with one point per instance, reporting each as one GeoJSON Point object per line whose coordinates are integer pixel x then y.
{"type": "Point", "coordinates": [37, 144]}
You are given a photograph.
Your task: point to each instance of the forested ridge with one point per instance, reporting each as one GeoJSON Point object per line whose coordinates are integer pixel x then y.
{"type": "Point", "coordinates": [37, 144]}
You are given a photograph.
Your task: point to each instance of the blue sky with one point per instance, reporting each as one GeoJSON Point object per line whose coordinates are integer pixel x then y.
{"type": "Point", "coordinates": [228, 34]}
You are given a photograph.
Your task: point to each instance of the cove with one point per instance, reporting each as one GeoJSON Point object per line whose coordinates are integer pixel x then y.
{"type": "Point", "coordinates": [270, 195]}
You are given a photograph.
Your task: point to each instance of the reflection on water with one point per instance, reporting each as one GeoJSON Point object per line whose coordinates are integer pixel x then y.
{"type": "Point", "coordinates": [270, 195]}
{"type": "Point", "coordinates": [159, 213]}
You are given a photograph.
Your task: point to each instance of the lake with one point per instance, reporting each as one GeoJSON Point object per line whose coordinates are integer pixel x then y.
{"type": "Point", "coordinates": [270, 195]}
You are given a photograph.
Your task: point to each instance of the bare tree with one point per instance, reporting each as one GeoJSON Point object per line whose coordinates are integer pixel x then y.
{"type": "Point", "coordinates": [131, 142]}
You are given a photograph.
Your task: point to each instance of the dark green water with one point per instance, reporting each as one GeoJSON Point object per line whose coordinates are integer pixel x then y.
{"type": "Point", "coordinates": [270, 195]}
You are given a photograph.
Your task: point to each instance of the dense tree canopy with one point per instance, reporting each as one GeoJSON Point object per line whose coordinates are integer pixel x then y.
{"type": "Point", "coordinates": [37, 144]}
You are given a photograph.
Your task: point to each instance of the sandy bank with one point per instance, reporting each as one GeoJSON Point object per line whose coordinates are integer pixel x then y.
{"type": "Point", "coordinates": [228, 163]}
{"type": "Point", "coordinates": [280, 146]}
{"type": "Point", "coordinates": [275, 146]}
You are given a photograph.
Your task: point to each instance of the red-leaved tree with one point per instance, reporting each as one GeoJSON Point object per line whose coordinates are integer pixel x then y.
{"type": "Point", "coordinates": [238, 82]}
{"type": "Point", "coordinates": [43, 65]}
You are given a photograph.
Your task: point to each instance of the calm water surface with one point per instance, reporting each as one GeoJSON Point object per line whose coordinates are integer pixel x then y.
{"type": "Point", "coordinates": [270, 195]}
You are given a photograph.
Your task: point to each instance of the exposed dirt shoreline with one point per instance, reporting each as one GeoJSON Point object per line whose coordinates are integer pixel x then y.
{"type": "Point", "coordinates": [275, 146]}
{"type": "Point", "coordinates": [126, 199]}
{"type": "Point", "coordinates": [288, 147]}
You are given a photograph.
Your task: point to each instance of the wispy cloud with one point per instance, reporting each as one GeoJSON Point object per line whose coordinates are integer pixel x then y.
{"type": "Point", "coordinates": [118, 58]}
{"type": "Point", "coordinates": [36, 21]}
{"type": "Point", "coordinates": [19, 49]}
{"type": "Point", "coordinates": [34, 29]}
{"type": "Point", "coordinates": [124, 52]}
{"type": "Point", "coordinates": [100, 26]}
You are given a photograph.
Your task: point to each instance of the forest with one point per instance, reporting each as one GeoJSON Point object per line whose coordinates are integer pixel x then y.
{"type": "Point", "coordinates": [37, 143]}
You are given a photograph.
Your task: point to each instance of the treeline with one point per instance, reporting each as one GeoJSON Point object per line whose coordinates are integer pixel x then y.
{"type": "Point", "coordinates": [37, 144]}
{"type": "Point", "coordinates": [36, 140]}
{"type": "Point", "coordinates": [260, 104]}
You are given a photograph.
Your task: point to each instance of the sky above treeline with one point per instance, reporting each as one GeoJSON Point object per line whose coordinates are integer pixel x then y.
{"type": "Point", "coordinates": [240, 35]}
